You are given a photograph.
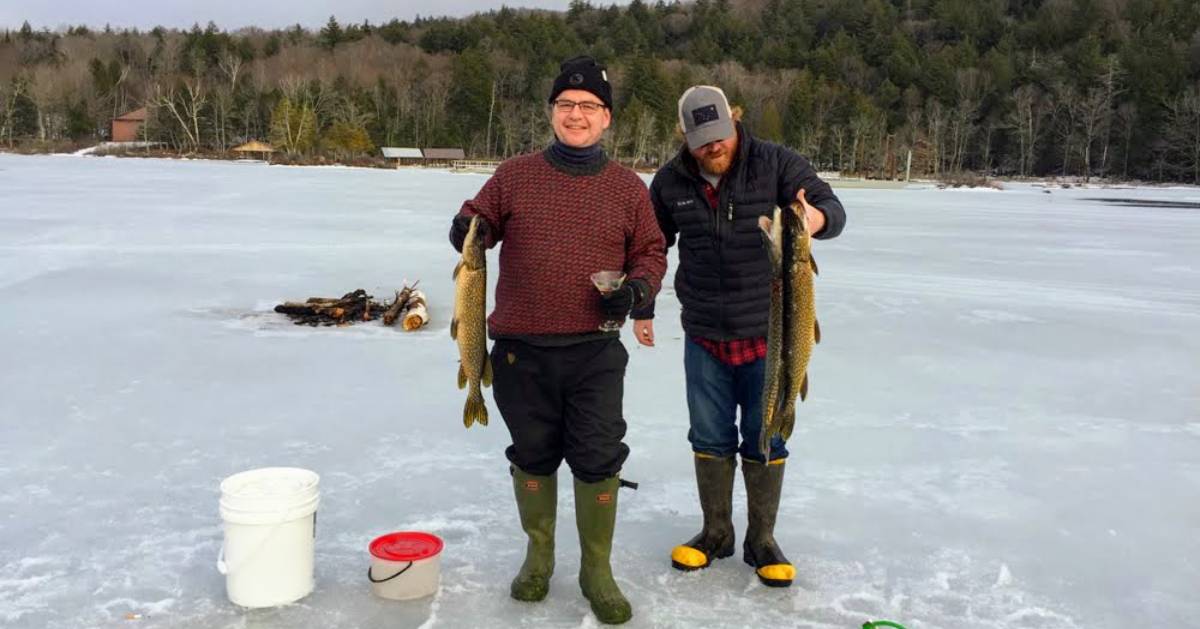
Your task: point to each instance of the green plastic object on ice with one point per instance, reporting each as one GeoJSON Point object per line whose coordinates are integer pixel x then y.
{"type": "Point", "coordinates": [880, 624]}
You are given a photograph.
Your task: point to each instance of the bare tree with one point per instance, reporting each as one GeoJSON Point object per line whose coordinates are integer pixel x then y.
{"type": "Point", "coordinates": [9, 95]}
{"type": "Point", "coordinates": [1112, 88]}
{"type": "Point", "coordinates": [645, 128]}
{"type": "Point", "coordinates": [1066, 110]}
{"type": "Point", "coordinates": [295, 121]}
{"type": "Point", "coordinates": [510, 128]}
{"type": "Point", "coordinates": [184, 98]}
{"type": "Point", "coordinates": [971, 86]}
{"type": "Point", "coordinates": [936, 121]}
{"type": "Point", "coordinates": [618, 135]}
{"type": "Point", "coordinates": [182, 101]}
{"type": "Point", "coordinates": [862, 131]}
{"type": "Point", "coordinates": [230, 67]}
{"type": "Point", "coordinates": [1128, 115]}
{"type": "Point", "coordinates": [1091, 111]}
{"type": "Point", "coordinates": [824, 102]}
{"type": "Point", "coordinates": [436, 91]}
{"type": "Point", "coordinates": [1183, 123]}
{"type": "Point", "coordinates": [838, 135]}
{"type": "Point", "coordinates": [910, 134]}
{"type": "Point", "coordinates": [1028, 114]}
{"type": "Point", "coordinates": [44, 86]}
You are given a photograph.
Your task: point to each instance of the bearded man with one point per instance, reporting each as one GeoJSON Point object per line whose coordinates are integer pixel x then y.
{"type": "Point", "coordinates": [710, 198]}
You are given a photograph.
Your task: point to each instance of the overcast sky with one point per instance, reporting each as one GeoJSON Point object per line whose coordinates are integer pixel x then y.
{"type": "Point", "coordinates": [232, 15]}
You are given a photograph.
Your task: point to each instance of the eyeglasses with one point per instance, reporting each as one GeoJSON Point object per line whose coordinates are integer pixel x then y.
{"type": "Point", "coordinates": [564, 106]}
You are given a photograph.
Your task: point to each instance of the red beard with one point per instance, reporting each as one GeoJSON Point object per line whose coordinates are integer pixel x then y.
{"type": "Point", "coordinates": [717, 164]}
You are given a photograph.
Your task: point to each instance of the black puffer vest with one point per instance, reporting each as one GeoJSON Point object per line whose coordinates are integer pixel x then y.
{"type": "Point", "coordinates": [723, 279]}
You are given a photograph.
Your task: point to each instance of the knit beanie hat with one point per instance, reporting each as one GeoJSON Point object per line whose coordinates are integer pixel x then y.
{"type": "Point", "coordinates": [583, 73]}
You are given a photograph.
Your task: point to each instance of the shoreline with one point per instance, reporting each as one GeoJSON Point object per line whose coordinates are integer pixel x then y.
{"type": "Point", "coordinates": [998, 184]}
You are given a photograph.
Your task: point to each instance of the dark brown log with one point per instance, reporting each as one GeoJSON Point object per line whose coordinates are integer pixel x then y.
{"type": "Point", "coordinates": [353, 306]}
{"type": "Point", "coordinates": [393, 311]}
{"type": "Point", "coordinates": [292, 308]}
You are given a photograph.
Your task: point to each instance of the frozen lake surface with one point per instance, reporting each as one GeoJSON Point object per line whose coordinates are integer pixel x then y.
{"type": "Point", "coordinates": [1003, 428]}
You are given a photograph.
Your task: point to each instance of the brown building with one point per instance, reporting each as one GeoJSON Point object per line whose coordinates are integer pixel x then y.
{"type": "Point", "coordinates": [436, 157]}
{"type": "Point", "coordinates": [125, 128]}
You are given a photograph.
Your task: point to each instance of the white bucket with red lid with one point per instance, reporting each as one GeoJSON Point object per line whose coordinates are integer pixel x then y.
{"type": "Point", "coordinates": [405, 565]}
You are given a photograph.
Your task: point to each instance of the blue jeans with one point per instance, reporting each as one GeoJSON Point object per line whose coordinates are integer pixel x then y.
{"type": "Point", "coordinates": [715, 391]}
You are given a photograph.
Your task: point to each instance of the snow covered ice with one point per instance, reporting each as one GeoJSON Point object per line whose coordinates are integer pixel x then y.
{"type": "Point", "coordinates": [1002, 429]}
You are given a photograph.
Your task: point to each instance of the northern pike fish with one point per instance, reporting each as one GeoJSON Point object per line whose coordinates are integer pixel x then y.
{"type": "Point", "coordinates": [469, 325]}
{"type": "Point", "coordinates": [792, 329]}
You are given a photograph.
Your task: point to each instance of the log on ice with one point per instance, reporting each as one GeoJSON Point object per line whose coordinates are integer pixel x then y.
{"type": "Point", "coordinates": [416, 315]}
{"type": "Point", "coordinates": [396, 309]}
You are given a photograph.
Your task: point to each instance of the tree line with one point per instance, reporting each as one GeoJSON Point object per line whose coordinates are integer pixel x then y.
{"type": "Point", "coordinates": [1086, 88]}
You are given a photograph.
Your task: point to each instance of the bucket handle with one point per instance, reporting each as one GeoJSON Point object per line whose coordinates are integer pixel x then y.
{"type": "Point", "coordinates": [223, 567]}
{"type": "Point", "coordinates": [374, 580]}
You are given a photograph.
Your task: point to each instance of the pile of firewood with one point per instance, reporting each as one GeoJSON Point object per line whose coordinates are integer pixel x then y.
{"type": "Point", "coordinates": [408, 307]}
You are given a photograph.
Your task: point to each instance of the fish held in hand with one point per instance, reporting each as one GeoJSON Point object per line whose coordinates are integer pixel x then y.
{"type": "Point", "coordinates": [469, 325]}
{"type": "Point", "coordinates": [792, 328]}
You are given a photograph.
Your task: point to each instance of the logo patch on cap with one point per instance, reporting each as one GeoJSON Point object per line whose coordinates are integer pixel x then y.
{"type": "Point", "coordinates": [576, 79]}
{"type": "Point", "coordinates": [705, 114]}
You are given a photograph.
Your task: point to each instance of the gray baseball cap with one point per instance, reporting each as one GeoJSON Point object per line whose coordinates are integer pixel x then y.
{"type": "Point", "coordinates": [704, 116]}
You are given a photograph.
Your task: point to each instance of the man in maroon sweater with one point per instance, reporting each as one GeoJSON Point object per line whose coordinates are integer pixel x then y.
{"type": "Point", "coordinates": [563, 214]}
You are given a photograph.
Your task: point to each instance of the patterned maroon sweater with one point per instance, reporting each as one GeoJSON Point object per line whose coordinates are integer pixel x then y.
{"type": "Point", "coordinates": [557, 229]}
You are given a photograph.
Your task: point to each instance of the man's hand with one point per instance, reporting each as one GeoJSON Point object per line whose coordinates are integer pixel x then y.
{"type": "Point", "coordinates": [816, 218]}
{"type": "Point", "coordinates": [460, 227]}
{"type": "Point", "coordinates": [643, 331]}
{"type": "Point", "coordinates": [618, 304]}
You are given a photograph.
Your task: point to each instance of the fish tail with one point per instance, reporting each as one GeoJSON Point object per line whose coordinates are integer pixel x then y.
{"type": "Point", "coordinates": [786, 424]}
{"type": "Point", "coordinates": [781, 414]}
{"type": "Point", "coordinates": [475, 409]}
{"type": "Point", "coordinates": [764, 438]}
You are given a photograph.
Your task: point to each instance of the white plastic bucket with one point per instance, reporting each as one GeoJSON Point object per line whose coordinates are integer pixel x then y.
{"type": "Point", "coordinates": [405, 565]}
{"type": "Point", "coordinates": [270, 519]}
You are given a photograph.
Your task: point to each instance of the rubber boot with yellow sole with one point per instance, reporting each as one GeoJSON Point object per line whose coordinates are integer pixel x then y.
{"type": "Point", "coordinates": [764, 483]}
{"type": "Point", "coordinates": [596, 517]}
{"type": "Point", "coordinates": [537, 502]}
{"type": "Point", "coordinates": [714, 479]}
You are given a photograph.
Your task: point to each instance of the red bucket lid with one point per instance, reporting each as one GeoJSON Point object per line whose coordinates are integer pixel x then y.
{"type": "Point", "coordinates": [406, 546]}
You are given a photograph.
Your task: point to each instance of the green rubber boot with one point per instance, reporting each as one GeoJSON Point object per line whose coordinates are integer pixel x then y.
{"type": "Point", "coordinates": [596, 516]}
{"type": "Point", "coordinates": [714, 478]}
{"type": "Point", "coordinates": [764, 484]}
{"type": "Point", "coordinates": [537, 502]}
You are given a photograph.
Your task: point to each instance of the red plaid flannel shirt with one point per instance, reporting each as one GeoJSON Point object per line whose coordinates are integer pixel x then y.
{"type": "Point", "coordinates": [736, 352]}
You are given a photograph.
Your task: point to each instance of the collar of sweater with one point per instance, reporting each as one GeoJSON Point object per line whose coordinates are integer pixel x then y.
{"type": "Point", "coordinates": [589, 160]}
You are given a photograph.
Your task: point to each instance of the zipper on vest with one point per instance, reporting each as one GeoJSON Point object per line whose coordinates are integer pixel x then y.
{"type": "Point", "coordinates": [721, 257]}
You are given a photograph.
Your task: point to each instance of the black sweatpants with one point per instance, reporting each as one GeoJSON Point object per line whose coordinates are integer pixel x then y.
{"type": "Point", "coordinates": [563, 402]}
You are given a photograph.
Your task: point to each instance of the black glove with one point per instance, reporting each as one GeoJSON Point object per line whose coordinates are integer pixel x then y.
{"type": "Point", "coordinates": [461, 225]}
{"type": "Point", "coordinates": [617, 304]}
